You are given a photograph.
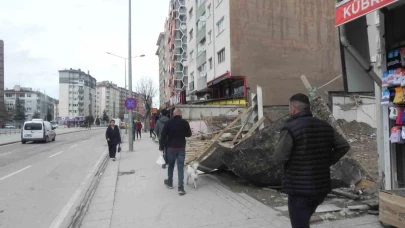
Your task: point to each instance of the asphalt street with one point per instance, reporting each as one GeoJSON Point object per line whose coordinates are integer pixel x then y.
{"type": "Point", "coordinates": [38, 181]}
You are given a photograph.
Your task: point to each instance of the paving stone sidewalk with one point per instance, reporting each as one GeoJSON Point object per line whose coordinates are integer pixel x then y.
{"type": "Point", "coordinates": [131, 194]}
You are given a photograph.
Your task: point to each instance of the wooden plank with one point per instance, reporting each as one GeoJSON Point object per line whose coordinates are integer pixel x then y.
{"type": "Point", "coordinates": [233, 122]}
{"type": "Point", "coordinates": [255, 126]}
{"type": "Point", "coordinates": [241, 129]}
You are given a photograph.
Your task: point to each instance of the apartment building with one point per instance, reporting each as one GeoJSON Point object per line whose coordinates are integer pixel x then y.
{"type": "Point", "coordinates": [174, 53]}
{"type": "Point", "coordinates": [77, 95]}
{"type": "Point", "coordinates": [32, 101]}
{"type": "Point", "coordinates": [3, 112]}
{"type": "Point", "coordinates": [160, 52]}
{"type": "Point", "coordinates": [235, 45]}
{"type": "Point", "coordinates": [111, 98]}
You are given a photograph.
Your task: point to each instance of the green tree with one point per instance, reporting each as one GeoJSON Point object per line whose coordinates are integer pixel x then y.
{"type": "Point", "coordinates": [36, 115]}
{"type": "Point", "coordinates": [105, 116]}
{"type": "Point", "coordinates": [19, 111]}
{"type": "Point", "coordinates": [49, 116]}
{"type": "Point", "coordinates": [98, 121]}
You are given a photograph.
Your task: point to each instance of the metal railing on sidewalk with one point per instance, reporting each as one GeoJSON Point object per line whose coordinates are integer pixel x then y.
{"type": "Point", "coordinates": [9, 131]}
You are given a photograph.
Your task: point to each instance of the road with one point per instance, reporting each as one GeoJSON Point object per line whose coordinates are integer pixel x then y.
{"type": "Point", "coordinates": [38, 180]}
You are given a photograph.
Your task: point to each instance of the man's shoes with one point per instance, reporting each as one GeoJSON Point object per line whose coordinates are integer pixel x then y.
{"type": "Point", "coordinates": [181, 191]}
{"type": "Point", "coordinates": [169, 186]}
{"type": "Point", "coordinates": [113, 159]}
{"type": "Point", "coordinates": [164, 166]}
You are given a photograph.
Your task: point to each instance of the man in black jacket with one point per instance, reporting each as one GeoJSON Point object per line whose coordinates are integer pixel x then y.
{"type": "Point", "coordinates": [307, 148]}
{"type": "Point", "coordinates": [173, 137]}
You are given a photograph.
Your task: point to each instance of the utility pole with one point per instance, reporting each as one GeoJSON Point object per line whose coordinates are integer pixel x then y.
{"type": "Point", "coordinates": [131, 143]}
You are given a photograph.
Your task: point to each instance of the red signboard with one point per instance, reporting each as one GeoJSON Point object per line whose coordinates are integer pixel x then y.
{"type": "Point", "coordinates": [352, 9]}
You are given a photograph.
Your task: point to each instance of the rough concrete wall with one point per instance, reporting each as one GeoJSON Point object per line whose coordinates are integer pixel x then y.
{"type": "Point", "coordinates": [273, 113]}
{"type": "Point", "coordinates": [274, 42]}
{"type": "Point", "coordinates": [344, 107]}
{"type": "Point", "coordinates": [197, 112]}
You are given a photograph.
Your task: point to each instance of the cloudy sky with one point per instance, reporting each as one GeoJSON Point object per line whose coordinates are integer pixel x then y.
{"type": "Point", "coordinates": [44, 36]}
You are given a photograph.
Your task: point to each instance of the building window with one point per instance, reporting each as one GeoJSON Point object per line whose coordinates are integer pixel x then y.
{"type": "Point", "coordinates": [199, 3]}
{"type": "Point", "coordinates": [220, 26]}
{"type": "Point", "coordinates": [190, 13]}
{"type": "Point", "coordinates": [191, 54]}
{"type": "Point", "coordinates": [201, 47]}
{"type": "Point", "coordinates": [191, 34]}
{"type": "Point", "coordinates": [9, 95]}
{"type": "Point", "coordinates": [192, 76]}
{"type": "Point", "coordinates": [210, 36]}
{"type": "Point", "coordinates": [28, 95]}
{"type": "Point", "coordinates": [209, 10]}
{"type": "Point", "coordinates": [210, 62]}
{"type": "Point", "coordinates": [201, 23]}
{"type": "Point", "coordinates": [221, 56]}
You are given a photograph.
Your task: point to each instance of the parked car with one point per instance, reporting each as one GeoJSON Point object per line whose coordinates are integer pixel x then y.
{"type": "Point", "coordinates": [37, 131]}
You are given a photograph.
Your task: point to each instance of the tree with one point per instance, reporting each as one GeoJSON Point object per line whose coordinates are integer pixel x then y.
{"type": "Point", "coordinates": [98, 121]}
{"type": "Point", "coordinates": [19, 111]}
{"type": "Point", "coordinates": [105, 116]}
{"type": "Point", "coordinates": [121, 114]}
{"type": "Point", "coordinates": [49, 116]}
{"type": "Point", "coordinates": [36, 115]}
{"type": "Point", "coordinates": [147, 90]}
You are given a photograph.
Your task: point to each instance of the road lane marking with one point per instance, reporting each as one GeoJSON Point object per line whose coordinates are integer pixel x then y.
{"type": "Point", "coordinates": [84, 141]}
{"type": "Point", "coordinates": [55, 154]}
{"type": "Point", "coordinates": [65, 210]}
{"type": "Point", "coordinates": [5, 154]}
{"type": "Point", "coordinates": [74, 146]}
{"type": "Point", "coordinates": [12, 174]}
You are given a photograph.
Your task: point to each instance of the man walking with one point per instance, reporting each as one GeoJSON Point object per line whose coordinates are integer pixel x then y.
{"type": "Point", "coordinates": [173, 137]}
{"type": "Point", "coordinates": [307, 148]}
{"type": "Point", "coordinates": [152, 127]}
{"type": "Point", "coordinates": [138, 129]}
{"type": "Point", "coordinates": [158, 130]}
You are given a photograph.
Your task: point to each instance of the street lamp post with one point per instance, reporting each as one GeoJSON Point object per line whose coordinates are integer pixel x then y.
{"type": "Point", "coordinates": [125, 63]}
{"type": "Point", "coordinates": [131, 143]}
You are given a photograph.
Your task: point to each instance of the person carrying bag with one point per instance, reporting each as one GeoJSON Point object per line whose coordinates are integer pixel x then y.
{"type": "Point", "coordinates": [113, 138]}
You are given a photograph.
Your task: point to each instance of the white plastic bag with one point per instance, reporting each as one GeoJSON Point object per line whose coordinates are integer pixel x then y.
{"type": "Point", "coordinates": [161, 160]}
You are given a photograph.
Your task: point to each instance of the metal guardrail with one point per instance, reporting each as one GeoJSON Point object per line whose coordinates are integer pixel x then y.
{"type": "Point", "coordinates": [9, 131]}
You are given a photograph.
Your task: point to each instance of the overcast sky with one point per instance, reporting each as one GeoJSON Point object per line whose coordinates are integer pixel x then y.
{"type": "Point", "coordinates": [44, 36]}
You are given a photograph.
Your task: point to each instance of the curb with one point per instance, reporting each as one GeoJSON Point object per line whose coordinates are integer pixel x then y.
{"type": "Point", "coordinates": [13, 142]}
{"type": "Point", "coordinates": [85, 200]}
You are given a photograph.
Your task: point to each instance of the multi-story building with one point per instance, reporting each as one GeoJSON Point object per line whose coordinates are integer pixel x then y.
{"type": "Point", "coordinates": [175, 54]}
{"type": "Point", "coordinates": [77, 94]}
{"type": "Point", "coordinates": [32, 101]}
{"type": "Point", "coordinates": [3, 112]}
{"type": "Point", "coordinates": [160, 52]}
{"type": "Point", "coordinates": [234, 45]}
{"type": "Point", "coordinates": [111, 98]}
{"type": "Point", "coordinates": [108, 99]}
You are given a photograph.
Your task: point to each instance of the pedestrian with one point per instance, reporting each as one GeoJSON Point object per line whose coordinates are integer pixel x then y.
{"type": "Point", "coordinates": [158, 130]}
{"type": "Point", "coordinates": [152, 128]}
{"type": "Point", "coordinates": [113, 137]}
{"type": "Point", "coordinates": [173, 137]}
{"type": "Point", "coordinates": [138, 129]}
{"type": "Point", "coordinates": [307, 148]}
{"type": "Point", "coordinates": [133, 127]}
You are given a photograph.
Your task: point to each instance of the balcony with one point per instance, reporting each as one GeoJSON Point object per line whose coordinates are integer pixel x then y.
{"type": "Point", "coordinates": [81, 91]}
{"type": "Point", "coordinates": [191, 86]}
{"type": "Point", "coordinates": [81, 96]}
{"type": "Point", "coordinates": [81, 109]}
{"type": "Point", "coordinates": [81, 103]}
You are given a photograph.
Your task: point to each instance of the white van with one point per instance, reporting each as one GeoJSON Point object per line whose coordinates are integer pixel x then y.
{"type": "Point", "coordinates": [37, 130]}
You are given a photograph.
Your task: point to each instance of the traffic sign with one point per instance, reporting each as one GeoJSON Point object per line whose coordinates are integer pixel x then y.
{"type": "Point", "coordinates": [130, 103]}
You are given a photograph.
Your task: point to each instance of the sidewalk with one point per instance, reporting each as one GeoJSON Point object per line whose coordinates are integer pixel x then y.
{"type": "Point", "coordinates": [131, 194]}
{"type": "Point", "coordinates": [14, 138]}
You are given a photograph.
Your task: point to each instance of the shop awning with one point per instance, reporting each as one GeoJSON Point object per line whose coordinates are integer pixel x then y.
{"type": "Point", "coordinates": [349, 10]}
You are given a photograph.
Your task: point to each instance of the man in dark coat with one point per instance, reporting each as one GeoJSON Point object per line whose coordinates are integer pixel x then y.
{"type": "Point", "coordinates": [307, 148]}
{"type": "Point", "coordinates": [113, 137]}
{"type": "Point", "coordinates": [173, 137]}
{"type": "Point", "coordinates": [160, 123]}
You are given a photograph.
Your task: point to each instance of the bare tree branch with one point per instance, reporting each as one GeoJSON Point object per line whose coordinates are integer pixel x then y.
{"type": "Point", "coordinates": [147, 91]}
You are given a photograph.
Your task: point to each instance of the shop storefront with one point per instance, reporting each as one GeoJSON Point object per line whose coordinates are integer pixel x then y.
{"type": "Point", "coordinates": [228, 90]}
{"type": "Point", "coordinates": [388, 17]}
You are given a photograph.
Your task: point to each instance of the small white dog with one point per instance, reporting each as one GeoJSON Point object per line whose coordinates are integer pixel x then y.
{"type": "Point", "coordinates": [192, 173]}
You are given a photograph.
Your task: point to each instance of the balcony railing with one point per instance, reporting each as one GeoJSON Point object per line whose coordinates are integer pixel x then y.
{"type": "Point", "coordinates": [81, 90]}
{"type": "Point", "coordinates": [191, 86]}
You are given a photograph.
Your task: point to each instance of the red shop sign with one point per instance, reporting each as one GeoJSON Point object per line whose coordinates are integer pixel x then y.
{"type": "Point", "coordinates": [352, 9]}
